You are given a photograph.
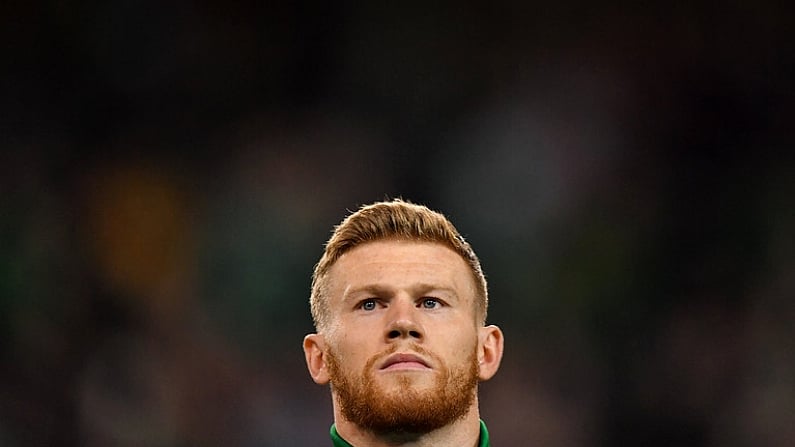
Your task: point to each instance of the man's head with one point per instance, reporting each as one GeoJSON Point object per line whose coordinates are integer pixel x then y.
{"type": "Point", "coordinates": [399, 302]}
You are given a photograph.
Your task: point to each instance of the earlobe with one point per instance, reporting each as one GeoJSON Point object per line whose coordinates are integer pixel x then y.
{"type": "Point", "coordinates": [489, 352]}
{"type": "Point", "coordinates": [314, 351]}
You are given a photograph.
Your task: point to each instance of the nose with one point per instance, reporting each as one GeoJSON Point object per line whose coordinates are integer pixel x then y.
{"type": "Point", "coordinates": [403, 322]}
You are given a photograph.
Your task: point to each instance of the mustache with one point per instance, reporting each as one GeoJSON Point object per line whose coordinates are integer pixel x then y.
{"type": "Point", "coordinates": [411, 347]}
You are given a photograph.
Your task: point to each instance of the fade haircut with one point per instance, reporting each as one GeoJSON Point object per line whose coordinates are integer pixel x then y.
{"type": "Point", "coordinates": [392, 220]}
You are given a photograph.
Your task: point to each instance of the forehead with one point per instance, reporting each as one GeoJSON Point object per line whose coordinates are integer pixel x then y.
{"type": "Point", "coordinates": [397, 263]}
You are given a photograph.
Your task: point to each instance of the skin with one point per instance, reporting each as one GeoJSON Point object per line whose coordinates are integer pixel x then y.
{"type": "Point", "coordinates": [384, 297]}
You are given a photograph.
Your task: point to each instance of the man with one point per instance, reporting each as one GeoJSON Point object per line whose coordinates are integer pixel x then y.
{"type": "Point", "coordinates": [399, 303]}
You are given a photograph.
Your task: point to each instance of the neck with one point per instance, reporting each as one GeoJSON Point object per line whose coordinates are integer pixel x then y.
{"type": "Point", "coordinates": [463, 432]}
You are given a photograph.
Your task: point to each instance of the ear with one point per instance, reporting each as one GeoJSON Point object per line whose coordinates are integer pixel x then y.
{"type": "Point", "coordinates": [315, 353]}
{"type": "Point", "coordinates": [490, 348]}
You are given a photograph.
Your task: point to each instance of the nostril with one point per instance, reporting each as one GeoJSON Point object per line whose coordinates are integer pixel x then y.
{"type": "Point", "coordinates": [393, 334]}
{"type": "Point", "coordinates": [414, 334]}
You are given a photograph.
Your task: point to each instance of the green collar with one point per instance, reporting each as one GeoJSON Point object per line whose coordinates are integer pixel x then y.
{"type": "Point", "coordinates": [337, 440]}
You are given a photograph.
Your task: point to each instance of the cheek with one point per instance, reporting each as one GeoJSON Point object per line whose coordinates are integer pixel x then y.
{"type": "Point", "coordinates": [462, 349]}
{"type": "Point", "coordinates": [360, 337]}
{"type": "Point", "coordinates": [350, 354]}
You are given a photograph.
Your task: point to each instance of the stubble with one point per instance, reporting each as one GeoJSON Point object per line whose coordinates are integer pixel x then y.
{"type": "Point", "coordinates": [406, 408]}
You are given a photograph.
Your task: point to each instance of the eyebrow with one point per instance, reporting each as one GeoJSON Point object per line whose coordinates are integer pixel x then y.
{"type": "Point", "coordinates": [378, 290]}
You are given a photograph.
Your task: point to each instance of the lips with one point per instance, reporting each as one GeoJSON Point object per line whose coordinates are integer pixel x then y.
{"type": "Point", "coordinates": [404, 361]}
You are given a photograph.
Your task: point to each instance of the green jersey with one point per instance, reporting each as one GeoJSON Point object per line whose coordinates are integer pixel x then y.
{"type": "Point", "coordinates": [337, 440]}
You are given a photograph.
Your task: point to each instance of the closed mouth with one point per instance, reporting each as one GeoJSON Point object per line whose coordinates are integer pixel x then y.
{"type": "Point", "coordinates": [404, 361]}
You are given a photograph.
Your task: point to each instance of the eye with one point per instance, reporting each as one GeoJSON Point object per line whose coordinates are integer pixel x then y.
{"type": "Point", "coordinates": [368, 304]}
{"type": "Point", "coordinates": [430, 303]}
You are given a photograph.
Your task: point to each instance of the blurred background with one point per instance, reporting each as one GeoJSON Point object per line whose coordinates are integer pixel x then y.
{"type": "Point", "coordinates": [170, 171]}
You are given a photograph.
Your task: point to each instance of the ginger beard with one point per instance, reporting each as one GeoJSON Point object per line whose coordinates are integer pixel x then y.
{"type": "Point", "coordinates": [404, 409]}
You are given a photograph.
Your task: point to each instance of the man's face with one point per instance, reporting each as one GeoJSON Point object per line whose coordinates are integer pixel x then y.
{"type": "Point", "coordinates": [402, 343]}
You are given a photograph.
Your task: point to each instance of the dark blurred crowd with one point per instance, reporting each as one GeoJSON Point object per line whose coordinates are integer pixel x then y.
{"type": "Point", "coordinates": [169, 172]}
